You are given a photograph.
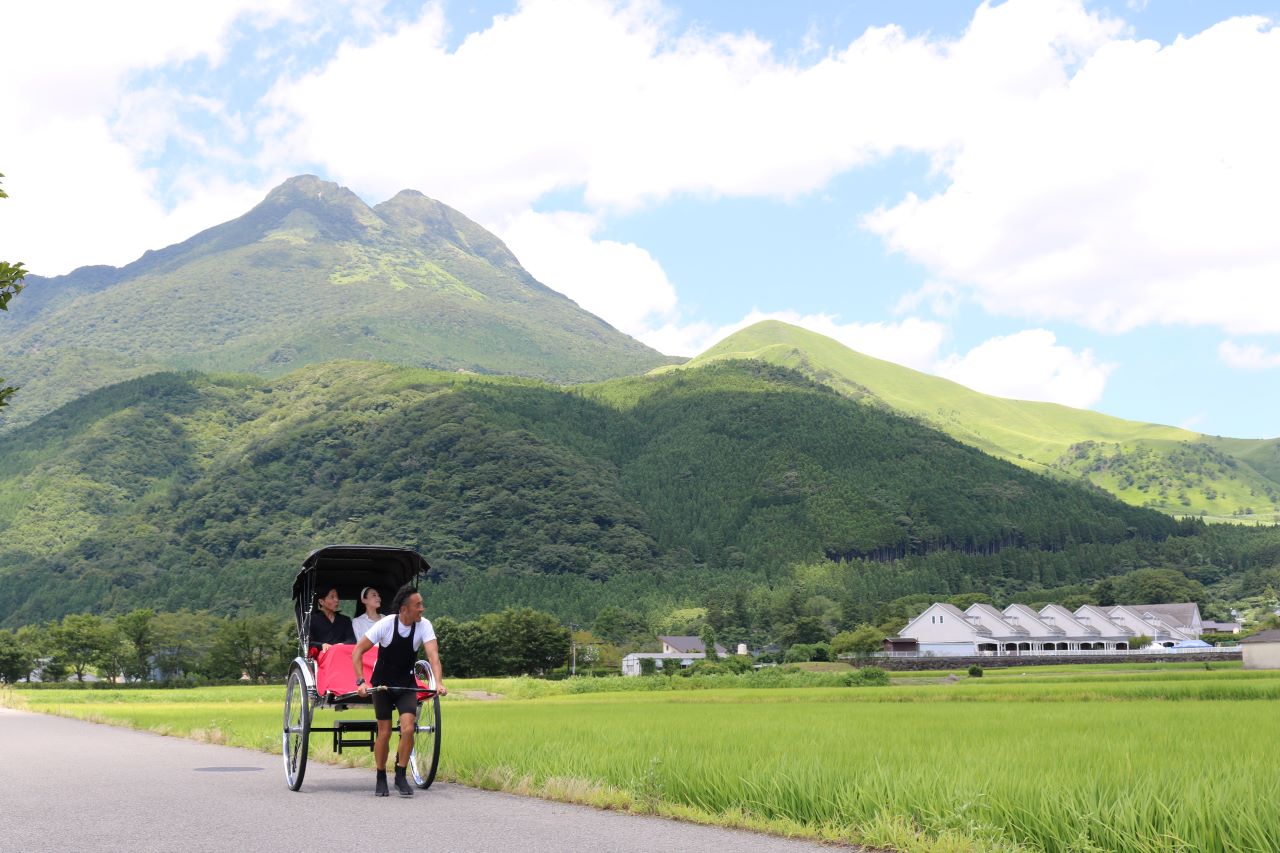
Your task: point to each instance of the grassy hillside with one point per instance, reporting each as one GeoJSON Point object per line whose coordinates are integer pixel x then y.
{"type": "Point", "coordinates": [204, 491]}
{"type": "Point", "coordinates": [1161, 467]}
{"type": "Point", "coordinates": [311, 274]}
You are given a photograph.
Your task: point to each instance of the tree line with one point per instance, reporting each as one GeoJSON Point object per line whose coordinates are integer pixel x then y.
{"type": "Point", "coordinates": [186, 647]}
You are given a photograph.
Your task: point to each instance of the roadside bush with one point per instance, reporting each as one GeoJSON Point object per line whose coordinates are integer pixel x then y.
{"type": "Point", "coordinates": [975, 671]}
{"type": "Point", "coordinates": [874, 676]}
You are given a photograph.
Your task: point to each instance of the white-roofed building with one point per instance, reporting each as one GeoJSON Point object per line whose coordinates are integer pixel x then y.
{"type": "Point", "coordinates": [1148, 623]}
{"type": "Point", "coordinates": [1006, 636]}
{"type": "Point", "coordinates": [1111, 634]}
{"type": "Point", "coordinates": [1184, 616]}
{"type": "Point", "coordinates": [1077, 635]}
{"type": "Point", "coordinates": [1048, 636]}
{"type": "Point", "coordinates": [943, 629]}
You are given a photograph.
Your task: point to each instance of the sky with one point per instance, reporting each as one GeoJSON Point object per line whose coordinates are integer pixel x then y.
{"type": "Point", "coordinates": [1056, 200]}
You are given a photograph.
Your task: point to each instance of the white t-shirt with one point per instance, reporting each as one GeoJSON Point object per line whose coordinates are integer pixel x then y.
{"type": "Point", "coordinates": [380, 633]}
{"type": "Point", "coordinates": [362, 623]}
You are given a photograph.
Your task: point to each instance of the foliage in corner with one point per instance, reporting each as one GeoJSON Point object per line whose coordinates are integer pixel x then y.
{"type": "Point", "coordinates": [11, 276]}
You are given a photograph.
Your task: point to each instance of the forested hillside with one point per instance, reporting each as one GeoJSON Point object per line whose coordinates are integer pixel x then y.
{"type": "Point", "coordinates": [310, 274]}
{"type": "Point", "coordinates": [187, 490]}
{"type": "Point", "coordinates": [1165, 468]}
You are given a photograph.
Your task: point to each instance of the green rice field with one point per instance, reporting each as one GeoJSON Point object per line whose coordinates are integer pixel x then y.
{"type": "Point", "coordinates": [1085, 758]}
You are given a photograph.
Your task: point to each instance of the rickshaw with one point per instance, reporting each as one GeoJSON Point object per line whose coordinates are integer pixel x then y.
{"type": "Point", "coordinates": [315, 684]}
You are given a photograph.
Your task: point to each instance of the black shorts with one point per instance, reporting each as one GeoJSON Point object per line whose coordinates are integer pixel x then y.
{"type": "Point", "coordinates": [406, 701]}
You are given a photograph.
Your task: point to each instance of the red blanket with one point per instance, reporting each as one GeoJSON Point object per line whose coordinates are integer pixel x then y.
{"type": "Point", "coordinates": [334, 673]}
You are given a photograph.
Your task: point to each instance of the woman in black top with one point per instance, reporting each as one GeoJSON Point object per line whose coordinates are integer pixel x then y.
{"type": "Point", "coordinates": [328, 626]}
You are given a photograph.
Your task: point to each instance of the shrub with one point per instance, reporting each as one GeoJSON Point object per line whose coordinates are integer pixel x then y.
{"type": "Point", "coordinates": [975, 671]}
{"type": "Point", "coordinates": [648, 666]}
{"type": "Point", "coordinates": [868, 676]}
{"type": "Point", "coordinates": [799, 653]}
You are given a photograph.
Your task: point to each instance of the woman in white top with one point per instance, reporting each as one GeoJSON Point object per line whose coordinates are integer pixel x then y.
{"type": "Point", "coordinates": [367, 608]}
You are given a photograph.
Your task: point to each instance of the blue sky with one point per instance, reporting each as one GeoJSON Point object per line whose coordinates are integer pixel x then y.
{"type": "Point", "coordinates": [1045, 199]}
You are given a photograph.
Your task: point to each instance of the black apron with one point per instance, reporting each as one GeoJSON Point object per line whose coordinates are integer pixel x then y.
{"type": "Point", "coordinates": [396, 659]}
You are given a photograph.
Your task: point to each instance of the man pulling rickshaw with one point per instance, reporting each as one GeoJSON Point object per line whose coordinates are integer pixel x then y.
{"type": "Point", "coordinates": [398, 637]}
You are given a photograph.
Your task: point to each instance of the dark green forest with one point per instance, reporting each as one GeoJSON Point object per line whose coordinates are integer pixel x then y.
{"type": "Point", "coordinates": [739, 487]}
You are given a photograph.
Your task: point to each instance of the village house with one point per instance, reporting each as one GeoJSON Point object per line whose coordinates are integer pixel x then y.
{"type": "Point", "coordinates": [687, 645]}
{"type": "Point", "coordinates": [676, 651]}
{"type": "Point", "coordinates": [1262, 650]}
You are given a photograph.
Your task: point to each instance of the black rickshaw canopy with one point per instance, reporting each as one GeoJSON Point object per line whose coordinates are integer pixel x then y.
{"type": "Point", "coordinates": [351, 568]}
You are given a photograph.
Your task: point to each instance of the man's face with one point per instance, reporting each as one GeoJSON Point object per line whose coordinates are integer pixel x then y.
{"type": "Point", "coordinates": [329, 603]}
{"type": "Point", "coordinates": [413, 607]}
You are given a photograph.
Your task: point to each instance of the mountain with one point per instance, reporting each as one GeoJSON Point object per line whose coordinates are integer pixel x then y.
{"type": "Point", "coordinates": [310, 274]}
{"type": "Point", "coordinates": [189, 490]}
{"type": "Point", "coordinates": [1165, 468]}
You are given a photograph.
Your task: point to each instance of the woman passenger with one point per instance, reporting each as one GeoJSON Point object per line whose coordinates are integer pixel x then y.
{"type": "Point", "coordinates": [368, 611]}
{"type": "Point", "coordinates": [328, 626]}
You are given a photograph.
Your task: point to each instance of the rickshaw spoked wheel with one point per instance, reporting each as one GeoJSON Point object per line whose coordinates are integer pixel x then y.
{"type": "Point", "coordinates": [425, 756]}
{"type": "Point", "coordinates": [297, 729]}
{"type": "Point", "coordinates": [426, 743]}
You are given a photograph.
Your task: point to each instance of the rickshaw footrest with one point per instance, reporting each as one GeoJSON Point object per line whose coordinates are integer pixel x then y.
{"type": "Point", "coordinates": [354, 733]}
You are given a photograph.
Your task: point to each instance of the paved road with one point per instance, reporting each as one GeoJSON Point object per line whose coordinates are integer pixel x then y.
{"type": "Point", "coordinates": [67, 785]}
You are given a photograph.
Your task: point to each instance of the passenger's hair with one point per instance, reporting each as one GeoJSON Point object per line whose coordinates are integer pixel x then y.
{"type": "Point", "coordinates": [402, 595]}
{"type": "Point", "coordinates": [322, 591]}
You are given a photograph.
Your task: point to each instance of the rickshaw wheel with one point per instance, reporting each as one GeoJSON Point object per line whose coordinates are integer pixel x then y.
{"type": "Point", "coordinates": [297, 729]}
{"type": "Point", "coordinates": [426, 738]}
{"type": "Point", "coordinates": [426, 743]}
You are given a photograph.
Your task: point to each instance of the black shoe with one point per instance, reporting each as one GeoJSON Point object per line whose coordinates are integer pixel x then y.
{"type": "Point", "coordinates": [402, 784]}
{"type": "Point", "coordinates": [380, 789]}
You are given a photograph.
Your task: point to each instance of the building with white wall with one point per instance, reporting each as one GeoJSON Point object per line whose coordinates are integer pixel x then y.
{"type": "Point", "coordinates": [944, 630]}
{"type": "Point", "coordinates": [1262, 650]}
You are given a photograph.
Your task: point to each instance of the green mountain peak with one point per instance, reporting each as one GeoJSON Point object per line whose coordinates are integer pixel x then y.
{"type": "Point", "coordinates": [1162, 467]}
{"type": "Point", "coordinates": [310, 274]}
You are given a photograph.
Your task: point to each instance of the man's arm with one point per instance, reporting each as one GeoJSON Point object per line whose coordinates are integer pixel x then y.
{"type": "Point", "coordinates": [357, 663]}
{"type": "Point", "coordinates": [433, 657]}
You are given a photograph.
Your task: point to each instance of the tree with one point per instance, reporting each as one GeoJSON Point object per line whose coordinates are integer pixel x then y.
{"type": "Point", "coordinates": [79, 639]}
{"type": "Point", "coordinates": [1140, 642]}
{"type": "Point", "coordinates": [708, 637]}
{"type": "Point", "coordinates": [11, 276]}
{"type": "Point", "coordinates": [136, 628]}
{"type": "Point", "coordinates": [806, 629]}
{"type": "Point", "coordinates": [1156, 586]}
{"type": "Point", "coordinates": [49, 657]}
{"type": "Point", "coordinates": [182, 642]}
{"type": "Point", "coordinates": [31, 639]}
{"type": "Point", "coordinates": [249, 645]}
{"type": "Point", "coordinates": [113, 652]}
{"type": "Point", "coordinates": [15, 661]}
{"type": "Point", "coordinates": [533, 641]}
{"type": "Point", "coordinates": [619, 626]}
{"type": "Point", "coordinates": [860, 642]}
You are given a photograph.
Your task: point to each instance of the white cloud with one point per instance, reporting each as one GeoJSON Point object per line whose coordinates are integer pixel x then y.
{"type": "Point", "coordinates": [942, 298]}
{"type": "Point", "coordinates": [617, 281]}
{"type": "Point", "coordinates": [1138, 190]}
{"type": "Point", "coordinates": [1030, 365]}
{"type": "Point", "coordinates": [1088, 176]}
{"type": "Point", "coordinates": [79, 193]}
{"type": "Point", "coordinates": [591, 94]}
{"type": "Point", "coordinates": [1247, 356]}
